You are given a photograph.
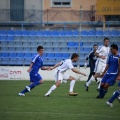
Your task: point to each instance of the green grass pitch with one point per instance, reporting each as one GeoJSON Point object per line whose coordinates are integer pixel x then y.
{"type": "Point", "coordinates": [59, 106]}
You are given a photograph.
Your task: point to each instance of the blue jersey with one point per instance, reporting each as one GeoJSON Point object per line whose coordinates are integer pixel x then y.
{"type": "Point", "coordinates": [113, 63]}
{"type": "Point", "coordinates": [38, 63]}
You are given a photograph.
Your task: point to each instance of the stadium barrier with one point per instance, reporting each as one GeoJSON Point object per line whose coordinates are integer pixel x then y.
{"type": "Point", "coordinates": [20, 73]}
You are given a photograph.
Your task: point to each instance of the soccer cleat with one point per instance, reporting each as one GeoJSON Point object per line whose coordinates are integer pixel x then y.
{"type": "Point", "coordinates": [21, 94]}
{"type": "Point", "coordinates": [28, 88]}
{"type": "Point", "coordinates": [86, 88]}
{"type": "Point", "coordinates": [98, 89]}
{"type": "Point", "coordinates": [109, 104]}
{"type": "Point", "coordinates": [98, 97]}
{"type": "Point", "coordinates": [73, 94]}
{"type": "Point", "coordinates": [46, 95]}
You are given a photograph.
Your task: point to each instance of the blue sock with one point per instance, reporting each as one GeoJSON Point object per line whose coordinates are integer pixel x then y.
{"type": "Point", "coordinates": [103, 93]}
{"type": "Point", "coordinates": [34, 84]}
{"type": "Point", "coordinates": [24, 91]}
{"type": "Point", "coordinates": [117, 93]}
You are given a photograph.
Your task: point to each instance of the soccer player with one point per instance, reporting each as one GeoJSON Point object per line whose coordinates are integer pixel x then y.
{"type": "Point", "coordinates": [102, 55]}
{"type": "Point", "coordinates": [35, 77]}
{"type": "Point", "coordinates": [111, 71]}
{"type": "Point", "coordinates": [92, 59]}
{"type": "Point", "coordinates": [60, 75]}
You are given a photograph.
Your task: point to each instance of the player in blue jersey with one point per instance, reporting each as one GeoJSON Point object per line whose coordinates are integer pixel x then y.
{"type": "Point", "coordinates": [92, 59]}
{"type": "Point", "coordinates": [111, 71]}
{"type": "Point", "coordinates": [35, 77]}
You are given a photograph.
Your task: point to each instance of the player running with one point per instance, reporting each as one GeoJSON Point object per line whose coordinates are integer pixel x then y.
{"type": "Point", "coordinates": [111, 71]}
{"type": "Point", "coordinates": [92, 59]}
{"type": "Point", "coordinates": [60, 75]}
{"type": "Point", "coordinates": [102, 54]}
{"type": "Point", "coordinates": [35, 78]}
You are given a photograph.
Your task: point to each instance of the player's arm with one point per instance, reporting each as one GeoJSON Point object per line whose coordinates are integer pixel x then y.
{"type": "Point", "coordinates": [100, 56]}
{"type": "Point", "coordinates": [30, 67]}
{"type": "Point", "coordinates": [118, 77]}
{"type": "Point", "coordinates": [45, 68]}
{"type": "Point", "coordinates": [78, 72]}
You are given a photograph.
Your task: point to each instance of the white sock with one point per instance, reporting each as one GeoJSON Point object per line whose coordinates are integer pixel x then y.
{"type": "Point", "coordinates": [90, 81]}
{"type": "Point", "coordinates": [72, 83]}
{"type": "Point", "coordinates": [99, 84]}
{"type": "Point", "coordinates": [51, 89]}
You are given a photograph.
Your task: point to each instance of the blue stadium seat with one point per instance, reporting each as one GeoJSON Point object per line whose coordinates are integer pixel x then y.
{"type": "Point", "coordinates": [4, 49]}
{"type": "Point", "coordinates": [10, 38]}
{"type": "Point", "coordinates": [64, 49]}
{"type": "Point", "coordinates": [4, 55]}
{"type": "Point", "coordinates": [50, 49]}
{"type": "Point", "coordinates": [61, 33]}
{"type": "Point", "coordinates": [19, 49]}
{"type": "Point", "coordinates": [32, 33]}
{"type": "Point", "coordinates": [11, 43]}
{"type": "Point", "coordinates": [12, 55]}
{"type": "Point", "coordinates": [20, 55]}
{"type": "Point", "coordinates": [72, 49]}
{"type": "Point", "coordinates": [13, 60]}
{"type": "Point", "coordinates": [18, 33]}
{"type": "Point", "coordinates": [47, 33]}
{"type": "Point", "coordinates": [69, 33]}
{"type": "Point", "coordinates": [48, 44]}
{"type": "Point", "coordinates": [84, 33]}
{"type": "Point", "coordinates": [50, 55]}
{"type": "Point", "coordinates": [57, 55]}
{"type": "Point", "coordinates": [56, 44]}
{"type": "Point", "coordinates": [5, 61]}
{"type": "Point", "coordinates": [25, 33]}
{"type": "Point", "coordinates": [99, 33]}
{"type": "Point", "coordinates": [44, 55]}
{"type": "Point", "coordinates": [65, 55]}
{"type": "Point", "coordinates": [3, 38]}
{"type": "Point", "coordinates": [26, 55]}
{"type": "Point", "coordinates": [86, 44]}
{"type": "Point", "coordinates": [94, 43]}
{"type": "Point", "coordinates": [20, 61]}
{"type": "Point", "coordinates": [106, 33]}
{"type": "Point", "coordinates": [54, 33]}
{"type": "Point", "coordinates": [57, 49]}
{"type": "Point", "coordinates": [3, 33]}
{"type": "Point", "coordinates": [27, 61]}
{"type": "Point", "coordinates": [18, 44]}
{"type": "Point", "coordinates": [87, 49]}
{"type": "Point", "coordinates": [10, 33]}
{"type": "Point", "coordinates": [63, 44]}
{"type": "Point", "coordinates": [27, 49]}
{"type": "Point", "coordinates": [115, 33]}
{"type": "Point", "coordinates": [26, 44]}
{"type": "Point", "coordinates": [40, 33]}
{"type": "Point", "coordinates": [11, 49]}
{"type": "Point", "coordinates": [4, 43]}
{"type": "Point", "coordinates": [71, 44]}
{"type": "Point", "coordinates": [75, 33]}
{"type": "Point", "coordinates": [91, 33]}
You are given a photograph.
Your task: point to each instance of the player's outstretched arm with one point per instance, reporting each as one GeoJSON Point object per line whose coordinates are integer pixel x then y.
{"type": "Point", "coordinates": [30, 67]}
{"type": "Point", "coordinates": [78, 72]}
{"type": "Point", "coordinates": [58, 64]}
{"type": "Point", "coordinates": [45, 68]}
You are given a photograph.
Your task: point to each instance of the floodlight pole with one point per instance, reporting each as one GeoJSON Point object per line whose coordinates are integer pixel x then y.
{"type": "Point", "coordinates": [79, 37]}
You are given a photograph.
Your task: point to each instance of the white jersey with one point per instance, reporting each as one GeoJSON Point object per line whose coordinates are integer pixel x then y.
{"type": "Point", "coordinates": [65, 65]}
{"type": "Point", "coordinates": [104, 51]}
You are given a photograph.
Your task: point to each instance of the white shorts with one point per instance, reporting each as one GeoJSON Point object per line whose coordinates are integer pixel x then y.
{"type": "Point", "coordinates": [61, 76]}
{"type": "Point", "coordinates": [99, 67]}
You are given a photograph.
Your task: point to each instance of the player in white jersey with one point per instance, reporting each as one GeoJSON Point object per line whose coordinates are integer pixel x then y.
{"type": "Point", "coordinates": [60, 75]}
{"type": "Point", "coordinates": [102, 54]}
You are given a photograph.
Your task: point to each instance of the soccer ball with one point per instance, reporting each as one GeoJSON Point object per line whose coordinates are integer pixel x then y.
{"type": "Point", "coordinates": [118, 98]}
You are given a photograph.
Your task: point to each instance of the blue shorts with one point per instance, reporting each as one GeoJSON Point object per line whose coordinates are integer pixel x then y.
{"type": "Point", "coordinates": [35, 77]}
{"type": "Point", "coordinates": [109, 79]}
{"type": "Point", "coordinates": [119, 84]}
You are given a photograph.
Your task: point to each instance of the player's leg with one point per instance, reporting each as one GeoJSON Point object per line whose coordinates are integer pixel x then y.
{"type": "Point", "coordinates": [58, 80]}
{"type": "Point", "coordinates": [115, 96]}
{"type": "Point", "coordinates": [72, 84]}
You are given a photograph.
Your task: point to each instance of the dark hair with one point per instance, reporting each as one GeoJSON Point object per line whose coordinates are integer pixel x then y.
{"type": "Point", "coordinates": [95, 45]}
{"type": "Point", "coordinates": [39, 48]}
{"type": "Point", "coordinates": [106, 38]}
{"type": "Point", "coordinates": [74, 55]}
{"type": "Point", "coordinates": [114, 46]}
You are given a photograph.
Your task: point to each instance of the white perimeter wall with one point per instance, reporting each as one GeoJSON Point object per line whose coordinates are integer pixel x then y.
{"type": "Point", "coordinates": [20, 73]}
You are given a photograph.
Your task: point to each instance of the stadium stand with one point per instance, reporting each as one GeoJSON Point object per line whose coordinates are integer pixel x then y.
{"type": "Point", "coordinates": [18, 47]}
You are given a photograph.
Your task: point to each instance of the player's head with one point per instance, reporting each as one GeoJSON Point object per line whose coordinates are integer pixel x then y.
{"type": "Point", "coordinates": [95, 47]}
{"type": "Point", "coordinates": [106, 41]}
{"type": "Point", "coordinates": [40, 50]}
{"type": "Point", "coordinates": [74, 57]}
{"type": "Point", "coordinates": [113, 48]}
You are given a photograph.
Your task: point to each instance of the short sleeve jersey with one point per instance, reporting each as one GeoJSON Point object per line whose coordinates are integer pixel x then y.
{"type": "Point", "coordinates": [104, 51]}
{"type": "Point", "coordinates": [38, 63]}
{"type": "Point", "coordinates": [65, 65]}
{"type": "Point", "coordinates": [113, 62]}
